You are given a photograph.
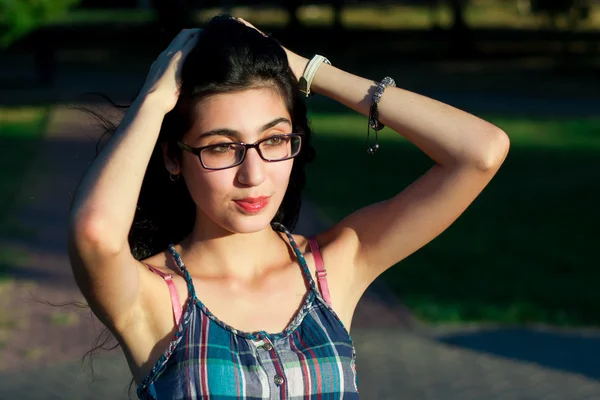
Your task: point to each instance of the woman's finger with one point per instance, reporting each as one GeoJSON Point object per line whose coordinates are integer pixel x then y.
{"type": "Point", "coordinates": [181, 38]}
{"type": "Point", "coordinates": [248, 24]}
{"type": "Point", "coordinates": [191, 43]}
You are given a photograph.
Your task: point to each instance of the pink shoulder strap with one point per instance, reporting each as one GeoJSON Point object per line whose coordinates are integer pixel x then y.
{"type": "Point", "coordinates": [177, 309]}
{"type": "Point", "coordinates": [320, 272]}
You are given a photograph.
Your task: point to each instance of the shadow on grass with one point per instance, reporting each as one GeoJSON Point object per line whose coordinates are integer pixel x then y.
{"type": "Point", "coordinates": [16, 153]}
{"type": "Point", "coordinates": [4, 272]}
{"type": "Point", "coordinates": [20, 132]}
{"type": "Point", "coordinates": [524, 251]}
{"type": "Point", "coordinates": [560, 351]}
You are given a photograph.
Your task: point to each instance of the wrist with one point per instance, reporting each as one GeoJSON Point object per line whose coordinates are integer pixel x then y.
{"type": "Point", "coordinates": [150, 104]}
{"type": "Point", "coordinates": [297, 63]}
{"type": "Point", "coordinates": [310, 72]}
{"type": "Point", "coordinates": [155, 101]}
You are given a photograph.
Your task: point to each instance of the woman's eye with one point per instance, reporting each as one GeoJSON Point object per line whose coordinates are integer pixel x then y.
{"type": "Point", "coordinates": [223, 147]}
{"type": "Point", "coordinates": [275, 140]}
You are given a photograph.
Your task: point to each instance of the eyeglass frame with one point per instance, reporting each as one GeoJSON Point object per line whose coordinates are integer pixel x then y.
{"type": "Point", "coordinates": [197, 150]}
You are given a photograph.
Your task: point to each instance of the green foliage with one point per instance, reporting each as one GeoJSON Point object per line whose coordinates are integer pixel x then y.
{"type": "Point", "coordinates": [18, 17]}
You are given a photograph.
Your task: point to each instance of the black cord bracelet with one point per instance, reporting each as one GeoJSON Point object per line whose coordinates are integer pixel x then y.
{"type": "Point", "coordinates": [374, 122]}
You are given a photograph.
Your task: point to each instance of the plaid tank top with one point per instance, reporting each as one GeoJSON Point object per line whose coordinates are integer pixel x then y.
{"type": "Point", "coordinates": [312, 358]}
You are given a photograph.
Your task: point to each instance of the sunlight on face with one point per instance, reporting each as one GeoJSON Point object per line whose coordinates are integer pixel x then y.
{"type": "Point", "coordinates": [246, 197]}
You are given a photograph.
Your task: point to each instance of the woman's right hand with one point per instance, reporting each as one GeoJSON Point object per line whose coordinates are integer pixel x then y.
{"type": "Point", "coordinates": [163, 81]}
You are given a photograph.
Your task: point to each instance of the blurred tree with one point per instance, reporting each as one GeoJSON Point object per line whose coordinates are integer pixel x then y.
{"type": "Point", "coordinates": [99, 4]}
{"type": "Point", "coordinates": [575, 11]}
{"type": "Point", "coordinates": [463, 44]}
{"type": "Point", "coordinates": [292, 7]}
{"type": "Point", "coordinates": [19, 17]}
{"type": "Point", "coordinates": [458, 15]}
{"type": "Point", "coordinates": [337, 13]}
{"type": "Point", "coordinates": [172, 15]}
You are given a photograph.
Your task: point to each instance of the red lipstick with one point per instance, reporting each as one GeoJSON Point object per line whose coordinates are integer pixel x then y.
{"type": "Point", "coordinates": [252, 204]}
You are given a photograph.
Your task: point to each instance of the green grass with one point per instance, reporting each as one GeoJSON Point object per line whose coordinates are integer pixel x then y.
{"type": "Point", "coordinates": [389, 16]}
{"type": "Point", "coordinates": [524, 251]}
{"type": "Point", "coordinates": [64, 318]}
{"type": "Point", "coordinates": [20, 130]}
{"type": "Point", "coordinates": [83, 16]}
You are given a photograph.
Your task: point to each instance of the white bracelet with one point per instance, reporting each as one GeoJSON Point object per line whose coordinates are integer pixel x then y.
{"type": "Point", "coordinates": [309, 73]}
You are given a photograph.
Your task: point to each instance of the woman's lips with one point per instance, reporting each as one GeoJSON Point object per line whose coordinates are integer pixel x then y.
{"type": "Point", "coordinates": [252, 204]}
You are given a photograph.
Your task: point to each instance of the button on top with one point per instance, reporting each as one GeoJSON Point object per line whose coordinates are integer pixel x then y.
{"type": "Point", "coordinates": [268, 346]}
{"type": "Point", "coordinates": [278, 380]}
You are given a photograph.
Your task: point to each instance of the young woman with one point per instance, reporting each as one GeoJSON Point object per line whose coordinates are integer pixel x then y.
{"type": "Point", "coordinates": [180, 229]}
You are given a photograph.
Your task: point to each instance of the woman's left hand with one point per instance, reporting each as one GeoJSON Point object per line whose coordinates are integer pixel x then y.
{"type": "Point", "coordinates": [297, 63]}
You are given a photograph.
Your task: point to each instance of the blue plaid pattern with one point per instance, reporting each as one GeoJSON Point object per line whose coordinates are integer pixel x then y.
{"type": "Point", "coordinates": [313, 358]}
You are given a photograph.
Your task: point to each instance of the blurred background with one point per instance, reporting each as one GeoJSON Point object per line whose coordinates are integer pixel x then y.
{"type": "Point", "coordinates": [503, 305]}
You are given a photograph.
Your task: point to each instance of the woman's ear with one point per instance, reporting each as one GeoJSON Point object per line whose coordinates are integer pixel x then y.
{"type": "Point", "coordinates": [171, 164]}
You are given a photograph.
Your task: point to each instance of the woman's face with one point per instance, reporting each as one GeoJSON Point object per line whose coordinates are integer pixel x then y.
{"type": "Point", "coordinates": [243, 198]}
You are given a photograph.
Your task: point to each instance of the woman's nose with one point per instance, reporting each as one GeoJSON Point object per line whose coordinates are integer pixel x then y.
{"type": "Point", "coordinates": [252, 170]}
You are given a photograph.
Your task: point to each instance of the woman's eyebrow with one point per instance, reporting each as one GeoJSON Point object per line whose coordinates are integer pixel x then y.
{"type": "Point", "coordinates": [221, 132]}
{"type": "Point", "coordinates": [238, 135]}
{"type": "Point", "coordinates": [275, 122]}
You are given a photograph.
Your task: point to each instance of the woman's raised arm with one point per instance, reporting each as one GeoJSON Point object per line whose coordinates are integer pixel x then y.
{"type": "Point", "coordinates": [468, 152]}
{"type": "Point", "coordinates": [104, 205]}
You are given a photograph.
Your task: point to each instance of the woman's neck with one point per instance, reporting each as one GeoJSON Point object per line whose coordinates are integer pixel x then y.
{"type": "Point", "coordinates": [237, 256]}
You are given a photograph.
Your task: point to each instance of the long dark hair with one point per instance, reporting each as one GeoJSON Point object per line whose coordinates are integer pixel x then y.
{"type": "Point", "coordinates": [229, 57]}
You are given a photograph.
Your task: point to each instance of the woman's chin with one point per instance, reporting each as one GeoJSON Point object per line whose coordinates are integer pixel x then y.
{"type": "Point", "coordinates": [246, 224]}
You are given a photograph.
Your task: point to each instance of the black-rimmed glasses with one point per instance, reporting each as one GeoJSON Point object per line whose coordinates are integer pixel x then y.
{"type": "Point", "coordinates": [230, 154]}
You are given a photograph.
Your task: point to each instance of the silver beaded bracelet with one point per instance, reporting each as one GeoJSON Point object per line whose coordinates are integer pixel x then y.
{"type": "Point", "coordinates": [374, 122]}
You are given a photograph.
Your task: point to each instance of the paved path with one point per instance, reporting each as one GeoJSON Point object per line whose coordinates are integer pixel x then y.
{"type": "Point", "coordinates": [392, 364]}
{"type": "Point", "coordinates": [396, 359]}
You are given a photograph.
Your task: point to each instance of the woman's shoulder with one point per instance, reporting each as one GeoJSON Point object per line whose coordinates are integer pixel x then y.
{"type": "Point", "coordinates": [162, 262]}
{"type": "Point", "coordinates": [337, 239]}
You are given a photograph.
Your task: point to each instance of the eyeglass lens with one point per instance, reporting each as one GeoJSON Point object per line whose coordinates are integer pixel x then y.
{"type": "Point", "coordinates": [275, 148]}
